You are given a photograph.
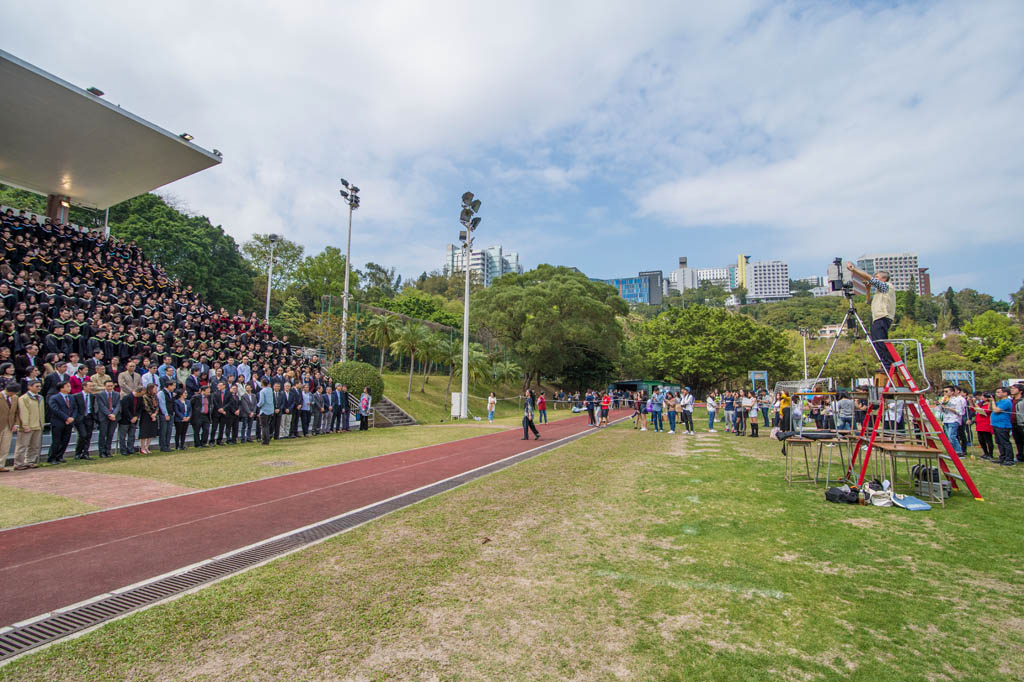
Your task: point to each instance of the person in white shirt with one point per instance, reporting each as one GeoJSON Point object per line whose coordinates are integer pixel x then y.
{"type": "Point", "coordinates": [712, 401]}
{"type": "Point", "coordinates": [492, 402]}
{"type": "Point", "coordinates": [952, 408]}
{"type": "Point", "coordinates": [686, 403]}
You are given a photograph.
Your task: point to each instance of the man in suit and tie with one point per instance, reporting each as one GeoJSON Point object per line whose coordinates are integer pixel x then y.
{"type": "Point", "coordinates": [52, 381]}
{"type": "Point", "coordinates": [129, 381]}
{"type": "Point", "coordinates": [295, 400]}
{"type": "Point", "coordinates": [247, 412]}
{"type": "Point", "coordinates": [201, 407]}
{"type": "Point", "coordinates": [30, 408]}
{"type": "Point", "coordinates": [128, 421]}
{"type": "Point", "coordinates": [108, 410]}
{"type": "Point", "coordinates": [165, 415]}
{"type": "Point", "coordinates": [346, 407]}
{"type": "Point", "coordinates": [85, 421]}
{"type": "Point", "coordinates": [328, 398]}
{"type": "Point", "coordinates": [279, 403]}
{"type": "Point", "coordinates": [192, 384]}
{"type": "Point", "coordinates": [61, 409]}
{"type": "Point", "coordinates": [26, 360]}
{"type": "Point", "coordinates": [221, 406]}
{"type": "Point", "coordinates": [234, 412]}
{"type": "Point", "coordinates": [287, 410]}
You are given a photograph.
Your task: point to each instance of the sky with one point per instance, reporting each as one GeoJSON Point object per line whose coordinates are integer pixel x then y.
{"type": "Point", "coordinates": [611, 136]}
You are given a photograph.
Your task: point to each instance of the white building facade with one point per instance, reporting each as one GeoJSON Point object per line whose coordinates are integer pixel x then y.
{"type": "Point", "coordinates": [489, 264]}
{"type": "Point", "coordinates": [903, 269]}
{"type": "Point", "coordinates": [767, 280]}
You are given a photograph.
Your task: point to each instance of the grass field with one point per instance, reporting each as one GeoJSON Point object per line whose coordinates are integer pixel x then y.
{"type": "Point", "coordinates": [622, 556]}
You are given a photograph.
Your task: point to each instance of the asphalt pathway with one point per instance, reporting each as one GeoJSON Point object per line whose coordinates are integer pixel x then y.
{"type": "Point", "coordinates": [49, 566]}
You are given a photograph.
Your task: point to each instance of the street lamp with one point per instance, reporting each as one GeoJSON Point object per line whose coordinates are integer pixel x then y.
{"type": "Point", "coordinates": [273, 239]}
{"type": "Point", "coordinates": [351, 195]}
{"type": "Point", "coordinates": [804, 332]}
{"type": "Point", "coordinates": [470, 206]}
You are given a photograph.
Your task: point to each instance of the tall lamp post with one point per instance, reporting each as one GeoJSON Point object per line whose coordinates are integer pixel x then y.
{"type": "Point", "coordinates": [804, 332]}
{"type": "Point", "coordinates": [273, 239]}
{"type": "Point", "coordinates": [470, 206]}
{"type": "Point", "coordinates": [351, 195]}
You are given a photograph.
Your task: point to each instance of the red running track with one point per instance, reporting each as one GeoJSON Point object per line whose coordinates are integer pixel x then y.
{"type": "Point", "coordinates": [49, 566]}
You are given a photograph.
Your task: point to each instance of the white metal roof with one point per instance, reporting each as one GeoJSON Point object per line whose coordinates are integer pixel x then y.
{"type": "Point", "coordinates": [56, 138]}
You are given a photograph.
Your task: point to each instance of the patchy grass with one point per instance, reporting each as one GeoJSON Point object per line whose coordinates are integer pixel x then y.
{"type": "Point", "coordinates": [18, 507]}
{"type": "Point", "coordinates": [622, 556]}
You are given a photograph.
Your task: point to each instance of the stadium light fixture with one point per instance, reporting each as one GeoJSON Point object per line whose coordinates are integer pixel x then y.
{"type": "Point", "coordinates": [352, 199]}
{"type": "Point", "coordinates": [186, 137]}
{"type": "Point", "coordinates": [93, 90]}
{"type": "Point", "coordinates": [470, 206]}
{"type": "Point", "coordinates": [273, 239]}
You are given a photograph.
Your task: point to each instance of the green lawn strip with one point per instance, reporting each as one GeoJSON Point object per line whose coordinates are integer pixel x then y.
{"type": "Point", "coordinates": [211, 467]}
{"type": "Point", "coordinates": [624, 555]}
{"type": "Point", "coordinates": [18, 507]}
{"type": "Point", "coordinates": [430, 405]}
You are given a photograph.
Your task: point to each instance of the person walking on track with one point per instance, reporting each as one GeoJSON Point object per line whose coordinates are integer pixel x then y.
{"type": "Point", "coordinates": [528, 417]}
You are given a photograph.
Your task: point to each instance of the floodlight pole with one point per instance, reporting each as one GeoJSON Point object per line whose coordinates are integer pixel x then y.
{"type": "Point", "coordinates": [464, 404]}
{"type": "Point", "coordinates": [270, 274]}
{"type": "Point", "coordinates": [344, 305]}
{"type": "Point", "coordinates": [803, 333]}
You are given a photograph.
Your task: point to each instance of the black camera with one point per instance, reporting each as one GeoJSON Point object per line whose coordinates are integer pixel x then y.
{"type": "Point", "coordinates": [839, 278]}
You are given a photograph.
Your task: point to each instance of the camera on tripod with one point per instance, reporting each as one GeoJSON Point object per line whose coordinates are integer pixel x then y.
{"type": "Point", "coordinates": [840, 279]}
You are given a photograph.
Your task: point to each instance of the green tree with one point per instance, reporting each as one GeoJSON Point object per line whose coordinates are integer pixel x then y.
{"type": "Point", "coordinates": [287, 258]}
{"type": "Point", "coordinates": [324, 330]}
{"type": "Point", "coordinates": [479, 366]}
{"type": "Point", "coordinates": [952, 308]}
{"type": "Point", "coordinates": [707, 293]}
{"type": "Point", "coordinates": [290, 319]}
{"type": "Point", "coordinates": [704, 347]}
{"type": "Point", "coordinates": [382, 331]}
{"type": "Point", "coordinates": [990, 337]}
{"type": "Point", "coordinates": [188, 247]}
{"type": "Point", "coordinates": [508, 372]}
{"type": "Point", "coordinates": [449, 352]}
{"type": "Point", "coordinates": [1017, 303]}
{"type": "Point", "coordinates": [356, 375]}
{"type": "Point", "coordinates": [411, 338]}
{"type": "Point", "coordinates": [324, 275]}
{"type": "Point", "coordinates": [381, 284]}
{"type": "Point", "coordinates": [551, 318]}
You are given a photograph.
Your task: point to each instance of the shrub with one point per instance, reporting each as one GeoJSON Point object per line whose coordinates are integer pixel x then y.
{"type": "Point", "coordinates": [355, 375]}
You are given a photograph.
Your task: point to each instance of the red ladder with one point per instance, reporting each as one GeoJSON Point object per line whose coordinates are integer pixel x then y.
{"type": "Point", "coordinates": [924, 420]}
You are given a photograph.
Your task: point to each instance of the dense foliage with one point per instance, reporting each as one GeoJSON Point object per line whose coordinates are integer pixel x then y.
{"type": "Point", "coordinates": [355, 375]}
{"type": "Point", "coordinates": [554, 320]}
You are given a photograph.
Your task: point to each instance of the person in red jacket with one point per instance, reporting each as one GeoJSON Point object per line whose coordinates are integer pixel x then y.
{"type": "Point", "coordinates": [542, 409]}
{"type": "Point", "coordinates": [982, 423]}
{"type": "Point", "coordinates": [606, 403]}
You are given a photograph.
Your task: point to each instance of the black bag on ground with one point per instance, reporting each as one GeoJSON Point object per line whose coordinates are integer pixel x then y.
{"type": "Point", "coordinates": [844, 494]}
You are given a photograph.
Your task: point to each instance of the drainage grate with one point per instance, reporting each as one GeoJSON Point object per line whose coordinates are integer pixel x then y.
{"type": "Point", "coordinates": [19, 640]}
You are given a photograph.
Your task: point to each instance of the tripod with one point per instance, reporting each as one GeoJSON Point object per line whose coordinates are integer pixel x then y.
{"type": "Point", "coordinates": [849, 319]}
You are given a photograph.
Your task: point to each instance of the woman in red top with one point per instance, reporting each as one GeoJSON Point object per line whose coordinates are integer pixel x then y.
{"type": "Point", "coordinates": [982, 423]}
{"type": "Point", "coordinates": [606, 401]}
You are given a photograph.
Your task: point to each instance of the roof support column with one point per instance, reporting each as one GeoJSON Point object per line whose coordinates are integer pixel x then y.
{"type": "Point", "coordinates": [57, 208]}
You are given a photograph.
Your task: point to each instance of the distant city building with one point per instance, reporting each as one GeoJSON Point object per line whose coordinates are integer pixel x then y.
{"type": "Point", "coordinates": [903, 269]}
{"type": "Point", "coordinates": [646, 287]}
{"type": "Point", "coordinates": [815, 281]}
{"type": "Point", "coordinates": [924, 282]}
{"type": "Point", "coordinates": [488, 264]}
{"type": "Point", "coordinates": [767, 280]}
{"type": "Point", "coordinates": [717, 276]}
{"type": "Point", "coordinates": [683, 277]}
{"type": "Point", "coordinates": [818, 292]}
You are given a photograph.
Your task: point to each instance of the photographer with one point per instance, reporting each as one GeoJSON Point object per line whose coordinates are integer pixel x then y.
{"type": "Point", "coordinates": [883, 308]}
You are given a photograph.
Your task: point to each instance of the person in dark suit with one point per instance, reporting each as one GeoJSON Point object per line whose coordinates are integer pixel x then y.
{"type": "Point", "coordinates": [201, 414]}
{"type": "Point", "coordinates": [234, 412]}
{"type": "Point", "coordinates": [52, 381]}
{"type": "Point", "coordinates": [85, 422]}
{"type": "Point", "coordinates": [247, 413]}
{"type": "Point", "coordinates": [329, 406]}
{"type": "Point", "coordinates": [62, 419]}
{"type": "Point", "coordinates": [318, 410]}
{"type": "Point", "coordinates": [128, 421]}
{"type": "Point", "coordinates": [295, 399]}
{"type": "Point", "coordinates": [346, 406]}
{"type": "Point", "coordinates": [221, 405]}
{"type": "Point", "coordinates": [165, 416]}
{"type": "Point", "coordinates": [23, 361]}
{"type": "Point", "coordinates": [192, 384]}
{"type": "Point", "coordinates": [182, 416]}
{"type": "Point", "coordinates": [279, 406]}
{"type": "Point", "coordinates": [108, 411]}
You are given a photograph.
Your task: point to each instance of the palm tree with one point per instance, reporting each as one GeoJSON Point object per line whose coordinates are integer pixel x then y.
{"type": "Point", "coordinates": [479, 366]}
{"type": "Point", "coordinates": [428, 354]}
{"type": "Point", "coordinates": [382, 331]}
{"type": "Point", "coordinates": [507, 372]}
{"type": "Point", "coordinates": [449, 352]}
{"type": "Point", "coordinates": [411, 338]}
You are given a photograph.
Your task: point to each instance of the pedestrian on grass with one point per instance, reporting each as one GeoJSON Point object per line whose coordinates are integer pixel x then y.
{"type": "Point", "coordinates": [686, 403]}
{"type": "Point", "coordinates": [982, 415]}
{"type": "Point", "coordinates": [712, 404]}
{"type": "Point", "coordinates": [671, 403]}
{"type": "Point", "coordinates": [492, 402]}
{"type": "Point", "coordinates": [1001, 408]}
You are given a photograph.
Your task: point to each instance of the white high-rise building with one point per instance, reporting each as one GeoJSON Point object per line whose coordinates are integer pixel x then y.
{"type": "Point", "coordinates": [719, 276]}
{"type": "Point", "coordinates": [488, 264]}
{"type": "Point", "coordinates": [902, 268]}
{"type": "Point", "coordinates": [767, 280]}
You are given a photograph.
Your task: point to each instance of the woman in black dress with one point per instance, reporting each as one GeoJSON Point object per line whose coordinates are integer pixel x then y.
{"type": "Point", "coordinates": [148, 426]}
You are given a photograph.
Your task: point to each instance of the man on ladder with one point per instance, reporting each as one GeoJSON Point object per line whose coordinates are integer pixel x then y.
{"type": "Point", "coordinates": [883, 309]}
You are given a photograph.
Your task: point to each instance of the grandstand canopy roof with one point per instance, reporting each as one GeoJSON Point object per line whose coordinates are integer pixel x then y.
{"type": "Point", "coordinates": [56, 138]}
